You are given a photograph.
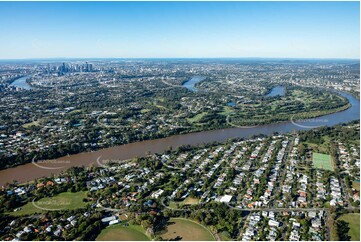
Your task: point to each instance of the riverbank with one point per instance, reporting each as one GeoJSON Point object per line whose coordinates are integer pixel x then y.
{"type": "Point", "coordinates": [293, 117]}
{"type": "Point", "coordinates": [30, 171]}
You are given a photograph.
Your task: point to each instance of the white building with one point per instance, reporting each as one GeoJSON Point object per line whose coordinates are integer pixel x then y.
{"type": "Point", "coordinates": [226, 199]}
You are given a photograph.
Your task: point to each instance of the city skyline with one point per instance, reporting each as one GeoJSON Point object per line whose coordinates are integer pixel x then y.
{"type": "Point", "coordinates": [179, 30]}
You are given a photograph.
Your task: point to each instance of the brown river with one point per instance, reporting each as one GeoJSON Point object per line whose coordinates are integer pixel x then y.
{"type": "Point", "coordinates": [31, 171]}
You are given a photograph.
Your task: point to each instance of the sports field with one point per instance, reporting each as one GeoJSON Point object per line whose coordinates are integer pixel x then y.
{"type": "Point", "coordinates": [118, 232]}
{"type": "Point", "coordinates": [187, 201]}
{"type": "Point", "coordinates": [184, 229]}
{"type": "Point", "coordinates": [62, 201]}
{"type": "Point", "coordinates": [322, 161]}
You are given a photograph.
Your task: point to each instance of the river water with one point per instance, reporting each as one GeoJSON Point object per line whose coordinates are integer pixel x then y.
{"type": "Point", "coordinates": [31, 171]}
{"type": "Point", "coordinates": [190, 84]}
{"type": "Point", "coordinates": [276, 91]}
{"type": "Point", "coordinates": [21, 83]}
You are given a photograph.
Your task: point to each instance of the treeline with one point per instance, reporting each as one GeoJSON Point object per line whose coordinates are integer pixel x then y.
{"type": "Point", "coordinates": [87, 228]}
{"type": "Point", "coordinates": [216, 216]}
{"type": "Point", "coordinates": [338, 132]}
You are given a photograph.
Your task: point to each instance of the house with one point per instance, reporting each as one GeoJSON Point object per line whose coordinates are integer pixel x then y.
{"type": "Point", "coordinates": [20, 191]}
{"type": "Point", "coordinates": [60, 180]}
{"type": "Point", "coordinates": [273, 223]}
{"type": "Point", "coordinates": [356, 197]}
{"type": "Point", "coordinates": [312, 214]}
{"type": "Point", "coordinates": [226, 199]}
{"type": "Point", "coordinates": [296, 225]}
{"type": "Point", "coordinates": [108, 219]}
{"type": "Point", "coordinates": [115, 221]}
{"type": "Point", "coordinates": [28, 229]}
{"type": "Point", "coordinates": [71, 218]}
{"type": "Point", "coordinates": [57, 232]}
{"type": "Point", "coordinates": [49, 228]}
{"type": "Point", "coordinates": [301, 199]}
{"type": "Point", "coordinates": [294, 236]}
{"type": "Point", "coordinates": [40, 185]}
{"type": "Point", "coordinates": [157, 193]}
{"type": "Point", "coordinates": [19, 234]}
{"type": "Point", "coordinates": [316, 224]}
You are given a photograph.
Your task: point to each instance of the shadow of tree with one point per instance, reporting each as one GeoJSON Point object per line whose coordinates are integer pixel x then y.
{"type": "Point", "coordinates": [176, 238]}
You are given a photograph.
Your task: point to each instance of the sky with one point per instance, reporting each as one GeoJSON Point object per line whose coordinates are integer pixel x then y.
{"type": "Point", "coordinates": [179, 29]}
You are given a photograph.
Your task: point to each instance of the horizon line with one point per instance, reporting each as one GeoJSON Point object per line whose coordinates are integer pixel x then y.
{"type": "Point", "coordinates": [59, 58]}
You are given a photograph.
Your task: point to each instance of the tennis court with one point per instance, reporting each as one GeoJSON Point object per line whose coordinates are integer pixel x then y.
{"type": "Point", "coordinates": [322, 161]}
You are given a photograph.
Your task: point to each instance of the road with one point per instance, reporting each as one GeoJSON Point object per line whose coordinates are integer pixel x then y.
{"type": "Point", "coordinates": [272, 209]}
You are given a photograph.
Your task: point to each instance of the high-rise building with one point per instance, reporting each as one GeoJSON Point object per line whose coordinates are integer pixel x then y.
{"type": "Point", "coordinates": [63, 68]}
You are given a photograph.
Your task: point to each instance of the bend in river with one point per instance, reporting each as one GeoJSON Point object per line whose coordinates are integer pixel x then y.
{"type": "Point", "coordinates": [31, 171]}
{"type": "Point", "coordinates": [190, 84]}
{"type": "Point", "coordinates": [21, 83]}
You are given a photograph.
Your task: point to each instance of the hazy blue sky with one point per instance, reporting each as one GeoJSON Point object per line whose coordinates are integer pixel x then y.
{"type": "Point", "coordinates": [179, 29]}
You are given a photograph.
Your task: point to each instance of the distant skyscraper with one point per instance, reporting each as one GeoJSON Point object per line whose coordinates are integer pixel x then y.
{"type": "Point", "coordinates": [86, 66]}
{"type": "Point", "coordinates": [63, 68]}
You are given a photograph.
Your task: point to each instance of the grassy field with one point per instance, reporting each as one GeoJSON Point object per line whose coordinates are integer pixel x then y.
{"type": "Point", "coordinates": [196, 118]}
{"type": "Point", "coordinates": [353, 219]}
{"type": "Point", "coordinates": [356, 185]}
{"type": "Point", "coordinates": [145, 110]}
{"type": "Point", "coordinates": [227, 110]}
{"type": "Point", "coordinates": [75, 111]}
{"type": "Point", "coordinates": [118, 232]}
{"type": "Point", "coordinates": [322, 161]}
{"type": "Point", "coordinates": [62, 201]}
{"type": "Point", "coordinates": [34, 123]}
{"type": "Point", "coordinates": [185, 229]}
{"type": "Point", "coordinates": [187, 201]}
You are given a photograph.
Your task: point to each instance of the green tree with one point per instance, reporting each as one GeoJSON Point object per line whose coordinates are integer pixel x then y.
{"type": "Point", "coordinates": [342, 228]}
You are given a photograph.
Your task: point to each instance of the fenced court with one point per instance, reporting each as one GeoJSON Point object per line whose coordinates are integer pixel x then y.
{"type": "Point", "coordinates": [322, 161]}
